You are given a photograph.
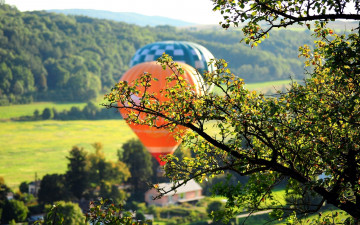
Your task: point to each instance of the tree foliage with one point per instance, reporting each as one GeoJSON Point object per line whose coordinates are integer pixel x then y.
{"type": "Point", "coordinates": [89, 175]}
{"type": "Point", "coordinates": [77, 175]}
{"type": "Point", "coordinates": [307, 136]}
{"type": "Point", "coordinates": [14, 210]}
{"type": "Point", "coordinates": [261, 16]}
{"type": "Point", "coordinates": [104, 211]}
{"type": "Point", "coordinates": [24, 187]}
{"type": "Point", "coordinates": [215, 207]}
{"type": "Point", "coordinates": [64, 213]}
{"type": "Point", "coordinates": [139, 162]}
{"type": "Point", "coordinates": [53, 188]}
{"type": "Point", "coordinates": [4, 189]}
{"type": "Point", "coordinates": [100, 212]}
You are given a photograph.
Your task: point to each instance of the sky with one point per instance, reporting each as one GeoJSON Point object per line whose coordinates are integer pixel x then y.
{"type": "Point", "coordinates": [194, 11]}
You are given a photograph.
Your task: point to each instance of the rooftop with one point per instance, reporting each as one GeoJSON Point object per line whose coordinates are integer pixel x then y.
{"type": "Point", "coordinates": [191, 185]}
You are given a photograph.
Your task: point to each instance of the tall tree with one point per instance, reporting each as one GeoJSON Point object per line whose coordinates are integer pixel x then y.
{"type": "Point", "coordinates": [138, 159]}
{"type": "Point", "coordinates": [307, 135]}
{"type": "Point", "coordinates": [107, 175]}
{"type": "Point", "coordinates": [77, 175]}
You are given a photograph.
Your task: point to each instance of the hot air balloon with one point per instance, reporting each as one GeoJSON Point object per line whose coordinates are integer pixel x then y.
{"type": "Point", "coordinates": [190, 53]}
{"type": "Point", "coordinates": [161, 141]}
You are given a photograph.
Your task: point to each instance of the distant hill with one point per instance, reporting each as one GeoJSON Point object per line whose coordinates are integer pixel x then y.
{"type": "Point", "coordinates": [127, 17]}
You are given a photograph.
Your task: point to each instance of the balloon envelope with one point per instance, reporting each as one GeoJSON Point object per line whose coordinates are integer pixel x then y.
{"type": "Point", "coordinates": [190, 53]}
{"type": "Point", "coordinates": [157, 141]}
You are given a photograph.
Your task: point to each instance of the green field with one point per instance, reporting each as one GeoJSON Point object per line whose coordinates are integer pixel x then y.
{"type": "Point", "coordinates": [41, 147]}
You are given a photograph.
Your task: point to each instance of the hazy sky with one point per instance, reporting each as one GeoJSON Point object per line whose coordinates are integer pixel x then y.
{"type": "Point", "coordinates": [196, 11]}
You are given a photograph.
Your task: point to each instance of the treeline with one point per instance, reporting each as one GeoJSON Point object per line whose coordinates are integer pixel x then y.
{"type": "Point", "coordinates": [52, 57]}
{"type": "Point", "coordinates": [89, 112]}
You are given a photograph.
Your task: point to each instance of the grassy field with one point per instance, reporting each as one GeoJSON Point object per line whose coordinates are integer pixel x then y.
{"type": "Point", "coordinates": [41, 147]}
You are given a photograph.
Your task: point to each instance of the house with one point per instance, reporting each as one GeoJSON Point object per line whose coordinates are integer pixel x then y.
{"type": "Point", "coordinates": [190, 192]}
{"type": "Point", "coordinates": [9, 196]}
{"type": "Point", "coordinates": [34, 187]}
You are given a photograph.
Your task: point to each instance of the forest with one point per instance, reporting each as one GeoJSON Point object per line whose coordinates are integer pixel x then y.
{"type": "Point", "coordinates": [52, 57]}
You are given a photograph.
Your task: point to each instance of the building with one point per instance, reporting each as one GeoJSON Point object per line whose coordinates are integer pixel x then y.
{"type": "Point", "coordinates": [34, 187]}
{"type": "Point", "coordinates": [190, 192]}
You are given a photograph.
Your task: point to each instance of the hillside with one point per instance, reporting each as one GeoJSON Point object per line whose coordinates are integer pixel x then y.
{"type": "Point", "coordinates": [53, 57]}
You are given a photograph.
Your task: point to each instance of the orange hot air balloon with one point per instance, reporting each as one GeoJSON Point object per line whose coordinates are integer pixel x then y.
{"type": "Point", "coordinates": [157, 141]}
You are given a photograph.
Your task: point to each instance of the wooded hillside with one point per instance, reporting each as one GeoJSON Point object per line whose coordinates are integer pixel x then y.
{"type": "Point", "coordinates": [48, 56]}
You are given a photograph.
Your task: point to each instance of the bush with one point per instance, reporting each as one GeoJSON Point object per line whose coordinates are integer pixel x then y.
{"type": "Point", "coordinates": [140, 216]}
{"type": "Point", "coordinates": [179, 214]}
{"type": "Point", "coordinates": [174, 211]}
{"type": "Point", "coordinates": [36, 209]}
{"type": "Point", "coordinates": [200, 223]}
{"type": "Point", "coordinates": [24, 187]}
{"type": "Point", "coordinates": [47, 114]}
{"type": "Point", "coordinates": [215, 206]}
{"type": "Point", "coordinates": [68, 211]}
{"type": "Point", "coordinates": [14, 210]}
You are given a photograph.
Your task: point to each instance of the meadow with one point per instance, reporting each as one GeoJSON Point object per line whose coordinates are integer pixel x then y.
{"type": "Point", "coordinates": [42, 146]}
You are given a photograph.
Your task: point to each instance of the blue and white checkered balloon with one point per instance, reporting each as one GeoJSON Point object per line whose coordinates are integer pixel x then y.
{"type": "Point", "coordinates": [190, 53]}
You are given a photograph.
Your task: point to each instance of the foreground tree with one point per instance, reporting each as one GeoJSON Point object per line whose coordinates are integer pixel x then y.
{"type": "Point", "coordinates": [307, 136]}
{"type": "Point", "coordinates": [299, 135]}
{"type": "Point", "coordinates": [261, 16]}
